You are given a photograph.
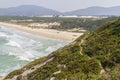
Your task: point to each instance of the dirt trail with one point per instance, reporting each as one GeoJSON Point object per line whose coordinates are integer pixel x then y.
{"type": "Point", "coordinates": [81, 50]}
{"type": "Point", "coordinates": [25, 73]}
{"type": "Point", "coordinates": [81, 43]}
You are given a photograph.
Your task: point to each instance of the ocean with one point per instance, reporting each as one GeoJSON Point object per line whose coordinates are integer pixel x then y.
{"type": "Point", "coordinates": [18, 48]}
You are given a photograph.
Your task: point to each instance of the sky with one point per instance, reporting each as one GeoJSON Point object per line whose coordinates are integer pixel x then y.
{"type": "Point", "coordinates": [60, 5]}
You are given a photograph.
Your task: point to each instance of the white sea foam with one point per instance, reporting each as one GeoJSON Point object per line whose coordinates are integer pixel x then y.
{"type": "Point", "coordinates": [23, 58]}
{"type": "Point", "coordinates": [16, 36]}
{"type": "Point", "coordinates": [32, 41]}
{"type": "Point", "coordinates": [52, 48]}
{"type": "Point", "coordinates": [21, 48]}
{"type": "Point", "coordinates": [26, 56]}
{"type": "Point", "coordinates": [12, 54]}
{"type": "Point", "coordinates": [3, 34]}
{"type": "Point", "coordinates": [49, 49]}
{"type": "Point", "coordinates": [13, 44]}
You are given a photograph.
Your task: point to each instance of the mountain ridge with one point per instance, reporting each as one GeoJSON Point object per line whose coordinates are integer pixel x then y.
{"type": "Point", "coordinates": [32, 10]}
{"type": "Point", "coordinates": [96, 10]}
{"type": "Point", "coordinates": [27, 10]}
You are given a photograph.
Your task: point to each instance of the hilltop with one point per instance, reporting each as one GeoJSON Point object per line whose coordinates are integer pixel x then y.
{"type": "Point", "coordinates": [27, 10]}
{"type": "Point", "coordinates": [92, 56]}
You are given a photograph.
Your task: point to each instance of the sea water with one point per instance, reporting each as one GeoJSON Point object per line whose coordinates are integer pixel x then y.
{"type": "Point", "coordinates": [18, 48]}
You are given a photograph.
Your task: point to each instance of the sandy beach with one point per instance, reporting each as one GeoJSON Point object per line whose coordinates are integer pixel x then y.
{"type": "Point", "coordinates": [50, 33]}
{"type": "Point", "coordinates": [1, 77]}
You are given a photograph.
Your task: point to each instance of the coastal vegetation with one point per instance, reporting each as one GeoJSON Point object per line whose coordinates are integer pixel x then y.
{"type": "Point", "coordinates": [93, 56]}
{"type": "Point", "coordinates": [61, 23]}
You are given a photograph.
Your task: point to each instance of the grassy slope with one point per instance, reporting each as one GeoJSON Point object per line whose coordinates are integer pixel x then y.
{"type": "Point", "coordinates": [104, 45]}
{"type": "Point", "coordinates": [101, 50]}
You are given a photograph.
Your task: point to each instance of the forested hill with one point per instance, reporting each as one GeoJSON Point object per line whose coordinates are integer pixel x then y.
{"type": "Point", "coordinates": [93, 56]}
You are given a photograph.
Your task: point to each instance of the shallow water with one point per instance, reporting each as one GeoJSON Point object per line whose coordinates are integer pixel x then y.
{"type": "Point", "coordinates": [17, 48]}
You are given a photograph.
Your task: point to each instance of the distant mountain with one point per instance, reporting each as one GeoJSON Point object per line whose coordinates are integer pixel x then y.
{"type": "Point", "coordinates": [27, 10]}
{"type": "Point", "coordinates": [31, 10]}
{"type": "Point", "coordinates": [96, 11]}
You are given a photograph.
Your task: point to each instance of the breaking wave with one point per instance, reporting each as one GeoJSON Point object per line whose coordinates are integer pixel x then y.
{"type": "Point", "coordinates": [18, 48]}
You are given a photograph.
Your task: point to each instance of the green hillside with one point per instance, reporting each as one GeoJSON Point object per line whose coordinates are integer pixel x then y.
{"type": "Point", "coordinates": [93, 56]}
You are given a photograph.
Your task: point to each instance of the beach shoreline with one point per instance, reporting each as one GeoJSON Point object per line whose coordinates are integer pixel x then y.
{"type": "Point", "coordinates": [49, 33]}
{"type": "Point", "coordinates": [2, 77]}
